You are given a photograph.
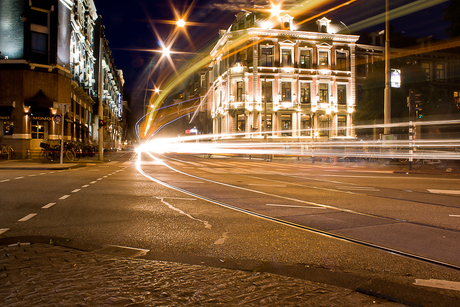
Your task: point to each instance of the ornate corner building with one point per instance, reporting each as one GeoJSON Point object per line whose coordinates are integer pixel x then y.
{"type": "Point", "coordinates": [271, 75]}
{"type": "Point", "coordinates": [54, 53]}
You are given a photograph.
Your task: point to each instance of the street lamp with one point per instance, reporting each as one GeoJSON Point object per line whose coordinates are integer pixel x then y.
{"type": "Point", "coordinates": [180, 23]}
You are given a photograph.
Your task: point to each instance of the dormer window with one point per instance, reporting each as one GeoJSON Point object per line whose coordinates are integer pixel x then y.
{"type": "Point", "coordinates": [323, 25]}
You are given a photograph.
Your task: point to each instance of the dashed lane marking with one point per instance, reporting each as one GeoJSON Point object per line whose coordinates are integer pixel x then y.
{"type": "Point", "coordinates": [33, 175]}
{"type": "Point", "coordinates": [5, 180]}
{"type": "Point", "coordinates": [48, 205]}
{"type": "Point", "coordinates": [64, 197]}
{"type": "Point", "coordinates": [76, 190]}
{"type": "Point", "coordinates": [27, 217]}
{"type": "Point", "coordinates": [99, 178]}
{"type": "Point", "coordinates": [19, 177]}
{"type": "Point", "coordinates": [92, 182]}
{"type": "Point", "coordinates": [3, 230]}
{"type": "Point", "coordinates": [454, 215]}
{"type": "Point", "coordinates": [453, 192]}
{"type": "Point", "coordinates": [85, 186]}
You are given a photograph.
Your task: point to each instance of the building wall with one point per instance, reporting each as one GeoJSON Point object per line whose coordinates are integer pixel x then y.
{"type": "Point", "coordinates": [50, 50]}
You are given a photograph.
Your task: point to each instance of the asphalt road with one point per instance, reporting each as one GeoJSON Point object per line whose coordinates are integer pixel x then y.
{"type": "Point", "coordinates": [285, 217]}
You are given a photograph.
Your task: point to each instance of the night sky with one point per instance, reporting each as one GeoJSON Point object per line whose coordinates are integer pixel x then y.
{"type": "Point", "coordinates": [135, 28]}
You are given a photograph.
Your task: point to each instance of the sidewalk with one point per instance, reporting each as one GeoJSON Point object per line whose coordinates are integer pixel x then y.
{"type": "Point", "coordinates": [46, 275]}
{"type": "Point", "coordinates": [35, 164]}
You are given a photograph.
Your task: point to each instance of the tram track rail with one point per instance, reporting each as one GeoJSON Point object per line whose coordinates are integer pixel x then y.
{"type": "Point", "coordinates": [330, 234]}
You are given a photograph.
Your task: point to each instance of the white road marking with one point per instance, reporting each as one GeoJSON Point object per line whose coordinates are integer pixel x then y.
{"type": "Point", "coordinates": [454, 215]}
{"type": "Point", "coordinates": [104, 176]}
{"type": "Point", "coordinates": [188, 181]}
{"type": "Point", "coordinates": [64, 197]}
{"type": "Point", "coordinates": [48, 205]}
{"type": "Point", "coordinates": [222, 240]}
{"type": "Point", "coordinates": [206, 223]}
{"type": "Point", "coordinates": [3, 230]}
{"type": "Point", "coordinates": [42, 173]}
{"type": "Point", "coordinates": [438, 283]}
{"type": "Point", "coordinates": [5, 180]}
{"type": "Point", "coordinates": [27, 217]}
{"type": "Point", "coordinates": [357, 188]}
{"type": "Point", "coordinates": [19, 177]}
{"type": "Point", "coordinates": [93, 182]}
{"type": "Point", "coordinates": [268, 185]}
{"type": "Point", "coordinates": [453, 192]}
{"type": "Point", "coordinates": [33, 175]}
{"type": "Point", "coordinates": [99, 178]}
{"type": "Point", "coordinates": [76, 190]}
{"type": "Point", "coordinates": [52, 172]}
{"type": "Point", "coordinates": [85, 186]}
{"type": "Point", "coordinates": [180, 198]}
{"type": "Point", "coordinates": [294, 206]}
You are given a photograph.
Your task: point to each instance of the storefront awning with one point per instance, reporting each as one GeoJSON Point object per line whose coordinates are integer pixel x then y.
{"type": "Point", "coordinates": [5, 112]}
{"type": "Point", "coordinates": [40, 100]}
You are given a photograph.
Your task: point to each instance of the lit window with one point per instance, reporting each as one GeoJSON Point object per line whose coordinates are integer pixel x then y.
{"type": "Point", "coordinates": [267, 91]}
{"type": "Point", "coordinates": [286, 124]}
{"type": "Point", "coordinates": [305, 57]}
{"type": "Point", "coordinates": [266, 57]}
{"type": "Point", "coordinates": [427, 69]}
{"type": "Point", "coordinates": [239, 91]}
{"type": "Point", "coordinates": [323, 59]}
{"type": "Point", "coordinates": [38, 129]}
{"type": "Point", "coordinates": [305, 124]}
{"type": "Point", "coordinates": [440, 72]}
{"type": "Point", "coordinates": [341, 125]}
{"type": "Point", "coordinates": [285, 91]}
{"type": "Point", "coordinates": [324, 93]}
{"type": "Point", "coordinates": [341, 61]}
{"type": "Point", "coordinates": [305, 93]}
{"type": "Point", "coordinates": [286, 59]}
{"type": "Point", "coordinates": [241, 123]}
{"type": "Point", "coordinates": [342, 94]}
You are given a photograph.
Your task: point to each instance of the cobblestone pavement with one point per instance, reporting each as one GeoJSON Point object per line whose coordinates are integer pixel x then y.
{"type": "Point", "coordinates": [46, 275]}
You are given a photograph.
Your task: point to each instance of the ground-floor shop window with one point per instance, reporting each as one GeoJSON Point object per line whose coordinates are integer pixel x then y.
{"type": "Point", "coordinates": [38, 129]}
{"type": "Point", "coordinates": [8, 127]}
{"type": "Point", "coordinates": [305, 125]}
{"type": "Point", "coordinates": [286, 124]}
{"type": "Point", "coordinates": [268, 118]}
{"type": "Point", "coordinates": [241, 123]}
{"type": "Point", "coordinates": [323, 123]}
{"type": "Point", "coordinates": [341, 125]}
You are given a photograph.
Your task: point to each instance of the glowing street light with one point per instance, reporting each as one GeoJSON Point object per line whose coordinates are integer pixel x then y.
{"type": "Point", "coordinates": [275, 10]}
{"type": "Point", "coordinates": [166, 52]}
{"type": "Point", "coordinates": [180, 23]}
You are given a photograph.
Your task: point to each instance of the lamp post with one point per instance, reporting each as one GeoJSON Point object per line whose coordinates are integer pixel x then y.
{"type": "Point", "coordinates": [387, 93]}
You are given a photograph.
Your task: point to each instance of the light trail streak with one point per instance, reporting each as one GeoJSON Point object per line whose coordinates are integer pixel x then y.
{"type": "Point", "coordinates": [253, 144]}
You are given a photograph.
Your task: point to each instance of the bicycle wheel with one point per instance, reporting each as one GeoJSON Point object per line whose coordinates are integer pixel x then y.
{"type": "Point", "coordinates": [70, 155]}
{"type": "Point", "coordinates": [43, 156]}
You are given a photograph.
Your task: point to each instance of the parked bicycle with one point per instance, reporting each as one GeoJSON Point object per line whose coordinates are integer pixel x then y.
{"type": "Point", "coordinates": [8, 152]}
{"type": "Point", "coordinates": [52, 152]}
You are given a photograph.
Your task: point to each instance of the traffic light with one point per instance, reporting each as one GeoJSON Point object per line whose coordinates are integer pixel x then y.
{"type": "Point", "coordinates": [418, 106]}
{"type": "Point", "coordinates": [101, 123]}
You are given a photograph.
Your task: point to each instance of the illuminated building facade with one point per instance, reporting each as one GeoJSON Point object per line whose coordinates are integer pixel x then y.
{"type": "Point", "coordinates": [48, 58]}
{"type": "Point", "coordinates": [295, 81]}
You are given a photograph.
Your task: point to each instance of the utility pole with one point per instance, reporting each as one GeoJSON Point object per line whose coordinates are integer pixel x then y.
{"type": "Point", "coordinates": [101, 108]}
{"type": "Point", "coordinates": [387, 93]}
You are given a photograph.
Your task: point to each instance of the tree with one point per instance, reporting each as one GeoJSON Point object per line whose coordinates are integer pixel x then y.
{"type": "Point", "coordinates": [451, 14]}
